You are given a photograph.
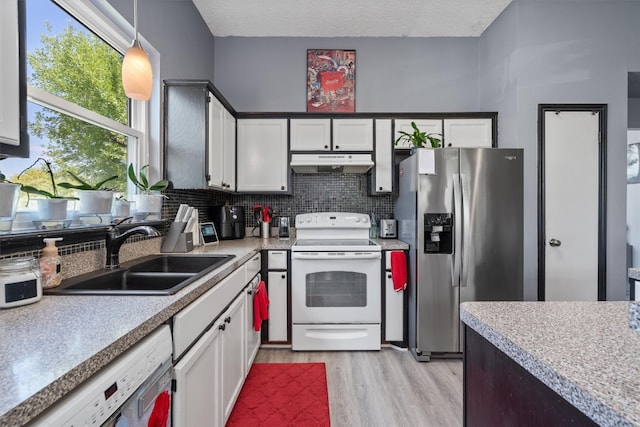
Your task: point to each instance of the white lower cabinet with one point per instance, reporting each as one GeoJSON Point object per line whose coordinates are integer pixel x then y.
{"type": "Point", "coordinates": [213, 351]}
{"type": "Point", "coordinates": [253, 337]}
{"type": "Point", "coordinates": [233, 370]}
{"type": "Point", "coordinates": [278, 317]}
{"type": "Point", "coordinates": [394, 306]}
{"type": "Point", "coordinates": [197, 398]}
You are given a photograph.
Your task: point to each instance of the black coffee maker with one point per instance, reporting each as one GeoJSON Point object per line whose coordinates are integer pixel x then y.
{"type": "Point", "coordinates": [229, 221]}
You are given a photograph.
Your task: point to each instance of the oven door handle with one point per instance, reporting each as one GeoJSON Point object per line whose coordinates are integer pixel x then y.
{"type": "Point", "coordinates": [335, 255]}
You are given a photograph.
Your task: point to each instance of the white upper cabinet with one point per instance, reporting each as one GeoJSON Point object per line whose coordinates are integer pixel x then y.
{"type": "Point", "coordinates": [310, 134]}
{"type": "Point", "coordinates": [10, 80]}
{"type": "Point", "coordinates": [424, 125]}
{"type": "Point", "coordinates": [352, 134]}
{"type": "Point", "coordinates": [221, 166]}
{"type": "Point", "coordinates": [229, 175]}
{"type": "Point", "coordinates": [382, 175]}
{"type": "Point", "coordinates": [468, 132]}
{"type": "Point", "coordinates": [262, 155]}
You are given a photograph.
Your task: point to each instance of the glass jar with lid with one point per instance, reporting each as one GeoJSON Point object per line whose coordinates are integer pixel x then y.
{"type": "Point", "coordinates": [19, 282]}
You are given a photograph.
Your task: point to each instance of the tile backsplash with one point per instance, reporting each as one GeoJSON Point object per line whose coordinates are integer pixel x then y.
{"type": "Point", "coordinates": [310, 193]}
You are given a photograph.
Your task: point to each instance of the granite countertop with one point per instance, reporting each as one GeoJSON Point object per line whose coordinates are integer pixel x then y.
{"type": "Point", "coordinates": [50, 347]}
{"type": "Point", "coordinates": [584, 351]}
{"type": "Point", "coordinates": [634, 273]}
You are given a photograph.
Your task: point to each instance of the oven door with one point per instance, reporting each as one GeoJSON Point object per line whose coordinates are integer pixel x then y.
{"type": "Point", "coordinates": [335, 287]}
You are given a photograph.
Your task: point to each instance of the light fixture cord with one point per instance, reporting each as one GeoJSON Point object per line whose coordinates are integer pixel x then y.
{"type": "Point", "coordinates": [135, 20]}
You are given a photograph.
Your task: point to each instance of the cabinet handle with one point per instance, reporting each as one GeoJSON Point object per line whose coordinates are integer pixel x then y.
{"type": "Point", "coordinates": [326, 147]}
{"type": "Point", "coordinates": [256, 258]}
{"type": "Point", "coordinates": [388, 276]}
{"type": "Point", "coordinates": [337, 147]}
{"type": "Point", "coordinates": [222, 327]}
{"type": "Point", "coordinates": [284, 276]}
{"type": "Point", "coordinates": [227, 319]}
{"type": "Point", "coordinates": [282, 187]}
{"type": "Point", "coordinates": [380, 188]}
{"type": "Point", "coordinates": [250, 292]}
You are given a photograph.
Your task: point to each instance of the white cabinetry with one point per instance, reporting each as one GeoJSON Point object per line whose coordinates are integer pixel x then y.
{"type": "Point", "coordinates": [310, 134]}
{"type": "Point", "coordinates": [196, 400]}
{"type": "Point", "coordinates": [468, 132]}
{"type": "Point", "coordinates": [253, 337]}
{"type": "Point", "coordinates": [424, 125]}
{"type": "Point", "coordinates": [221, 165]}
{"type": "Point", "coordinates": [278, 298]}
{"type": "Point", "coordinates": [394, 306]}
{"type": "Point", "coordinates": [210, 339]}
{"type": "Point", "coordinates": [382, 176]}
{"type": "Point", "coordinates": [232, 348]}
{"type": "Point", "coordinates": [352, 134]}
{"type": "Point", "coordinates": [263, 160]}
{"type": "Point", "coordinates": [12, 88]}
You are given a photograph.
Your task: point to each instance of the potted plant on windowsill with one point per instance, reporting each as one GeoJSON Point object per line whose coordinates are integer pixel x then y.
{"type": "Point", "coordinates": [418, 139]}
{"type": "Point", "coordinates": [9, 195]}
{"type": "Point", "coordinates": [149, 201]}
{"type": "Point", "coordinates": [121, 208]}
{"type": "Point", "coordinates": [53, 207]}
{"type": "Point", "coordinates": [93, 198]}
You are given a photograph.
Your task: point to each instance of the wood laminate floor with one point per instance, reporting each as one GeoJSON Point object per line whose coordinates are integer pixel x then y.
{"type": "Point", "coordinates": [384, 388]}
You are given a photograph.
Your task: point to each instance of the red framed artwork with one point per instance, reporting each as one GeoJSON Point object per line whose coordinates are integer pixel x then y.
{"type": "Point", "coordinates": [331, 81]}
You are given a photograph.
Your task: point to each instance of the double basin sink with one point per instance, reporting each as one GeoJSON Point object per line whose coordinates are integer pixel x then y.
{"type": "Point", "coordinates": [151, 275]}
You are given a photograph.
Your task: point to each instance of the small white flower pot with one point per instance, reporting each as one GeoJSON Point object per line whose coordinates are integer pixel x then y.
{"type": "Point", "coordinates": [121, 209]}
{"type": "Point", "coordinates": [94, 201]}
{"type": "Point", "coordinates": [52, 209]}
{"type": "Point", "coordinates": [9, 195]}
{"type": "Point", "coordinates": [149, 204]}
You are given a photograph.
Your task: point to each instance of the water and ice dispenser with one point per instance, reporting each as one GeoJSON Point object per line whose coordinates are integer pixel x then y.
{"type": "Point", "coordinates": [438, 233]}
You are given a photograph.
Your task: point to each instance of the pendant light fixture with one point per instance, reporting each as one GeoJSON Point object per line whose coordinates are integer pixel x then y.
{"type": "Point", "coordinates": [137, 77]}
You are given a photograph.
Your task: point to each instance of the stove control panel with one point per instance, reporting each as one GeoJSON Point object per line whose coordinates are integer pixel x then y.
{"type": "Point", "coordinates": [333, 220]}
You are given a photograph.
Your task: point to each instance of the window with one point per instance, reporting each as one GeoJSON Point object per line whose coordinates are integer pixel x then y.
{"type": "Point", "coordinates": [78, 115]}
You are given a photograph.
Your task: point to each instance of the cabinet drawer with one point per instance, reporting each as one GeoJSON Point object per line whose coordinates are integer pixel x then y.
{"type": "Point", "coordinates": [277, 260]}
{"type": "Point", "coordinates": [253, 267]}
{"type": "Point", "coordinates": [194, 319]}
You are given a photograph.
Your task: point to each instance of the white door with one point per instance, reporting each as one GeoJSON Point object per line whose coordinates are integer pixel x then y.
{"type": "Point", "coordinates": [571, 201]}
{"type": "Point", "coordinates": [278, 318]}
{"type": "Point", "coordinates": [253, 337]}
{"type": "Point", "coordinates": [468, 133]}
{"type": "Point", "coordinates": [233, 357]}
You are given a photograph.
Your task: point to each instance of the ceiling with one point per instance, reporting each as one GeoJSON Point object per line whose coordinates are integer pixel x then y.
{"type": "Point", "coordinates": [351, 18]}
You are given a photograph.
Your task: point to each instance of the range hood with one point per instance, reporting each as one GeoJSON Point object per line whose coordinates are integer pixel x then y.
{"type": "Point", "coordinates": [322, 163]}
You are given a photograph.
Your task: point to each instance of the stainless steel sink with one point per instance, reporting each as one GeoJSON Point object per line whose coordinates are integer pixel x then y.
{"type": "Point", "coordinates": [151, 275]}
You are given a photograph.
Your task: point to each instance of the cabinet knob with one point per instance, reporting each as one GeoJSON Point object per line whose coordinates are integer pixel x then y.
{"type": "Point", "coordinates": [379, 188]}
{"type": "Point", "coordinates": [388, 276]}
{"type": "Point", "coordinates": [250, 292]}
{"type": "Point", "coordinates": [326, 147]}
{"type": "Point", "coordinates": [282, 187]}
{"type": "Point", "coordinates": [284, 276]}
{"type": "Point", "coordinates": [222, 327]}
{"type": "Point", "coordinates": [227, 319]}
{"type": "Point", "coordinates": [337, 147]}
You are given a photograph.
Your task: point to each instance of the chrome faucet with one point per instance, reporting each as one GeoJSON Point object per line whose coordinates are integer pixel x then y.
{"type": "Point", "coordinates": [115, 239]}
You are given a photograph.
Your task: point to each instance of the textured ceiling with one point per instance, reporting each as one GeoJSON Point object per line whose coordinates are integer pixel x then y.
{"type": "Point", "coordinates": [350, 18]}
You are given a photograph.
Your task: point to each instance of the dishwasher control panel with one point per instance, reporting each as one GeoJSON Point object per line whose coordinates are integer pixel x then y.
{"type": "Point", "coordinates": [95, 401]}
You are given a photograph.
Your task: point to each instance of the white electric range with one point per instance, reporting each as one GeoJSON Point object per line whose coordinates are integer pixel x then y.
{"type": "Point", "coordinates": [335, 283]}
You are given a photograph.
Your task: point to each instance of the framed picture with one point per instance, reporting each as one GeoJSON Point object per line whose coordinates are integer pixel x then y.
{"type": "Point", "coordinates": [331, 81]}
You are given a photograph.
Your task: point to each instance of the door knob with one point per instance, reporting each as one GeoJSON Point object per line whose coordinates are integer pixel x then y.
{"type": "Point", "coordinates": [555, 243]}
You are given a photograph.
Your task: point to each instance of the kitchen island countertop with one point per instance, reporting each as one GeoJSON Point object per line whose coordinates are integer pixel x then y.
{"type": "Point", "coordinates": [584, 351]}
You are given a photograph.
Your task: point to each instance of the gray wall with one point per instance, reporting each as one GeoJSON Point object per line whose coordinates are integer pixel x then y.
{"type": "Point", "coordinates": [392, 74]}
{"type": "Point", "coordinates": [564, 51]}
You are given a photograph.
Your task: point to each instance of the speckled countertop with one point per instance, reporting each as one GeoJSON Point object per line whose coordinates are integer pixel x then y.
{"type": "Point", "coordinates": [634, 273]}
{"type": "Point", "coordinates": [50, 347]}
{"type": "Point", "coordinates": [584, 351]}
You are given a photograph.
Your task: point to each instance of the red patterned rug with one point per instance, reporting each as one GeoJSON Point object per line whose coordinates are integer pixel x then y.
{"type": "Point", "coordinates": [283, 394]}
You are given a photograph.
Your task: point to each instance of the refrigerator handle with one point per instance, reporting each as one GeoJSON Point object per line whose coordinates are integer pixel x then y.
{"type": "Point", "coordinates": [457, 229]}
{"type": "Point", "coordinates": [467, 254]}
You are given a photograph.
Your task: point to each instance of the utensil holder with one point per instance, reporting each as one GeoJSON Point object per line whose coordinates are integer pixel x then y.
{"type": "Point", "coordinates": [265, 230]}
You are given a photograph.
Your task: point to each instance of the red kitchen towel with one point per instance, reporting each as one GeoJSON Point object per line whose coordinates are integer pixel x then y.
{"type": "Point", "coordinates": [160, 412]}
{"type": "Point", "coordinates": [399, 271]}
{"type": "Point", "coordinates": [260, 305]}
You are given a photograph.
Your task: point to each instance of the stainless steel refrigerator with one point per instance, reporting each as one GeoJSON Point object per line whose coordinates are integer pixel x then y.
{"type": "Point", "coordinates": [461, 212]}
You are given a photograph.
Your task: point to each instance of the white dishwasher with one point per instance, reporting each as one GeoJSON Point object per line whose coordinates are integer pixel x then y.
{"type": "Point", "coordinates": [134, 390]}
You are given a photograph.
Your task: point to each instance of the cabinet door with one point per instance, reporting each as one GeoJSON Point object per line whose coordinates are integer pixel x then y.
{"type": "Point", "coordinates": [263, 161]}
{"type": "Point", "coordinates": [278, 316]}
{"type": "Point", "coordinates": [197, 398]}
{"type": "Point", "coordinates": [353, 134]}
{"type": "Point", "coordinates": [383, 170]}
{"type": "Point", "coordinates": [216, 161]}
{"type": "Point", "coordinates": [233, 356]}
{"type": "Point", "coordinates": [229, 167]}
{"type": "Point", "coordinates": [424, 125]}
{"type": "Point", "coordinates": [394, 307]}
{"type": "Point", "coordinates": [310, 134]}
{"type": "Point", "coordinates": [11, 66]}
{"type": "Point", "coordinates": [252, 336]}
{"type": "Point", "coordinates": [468, 132]}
